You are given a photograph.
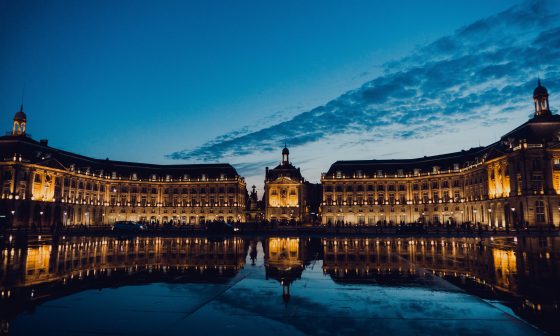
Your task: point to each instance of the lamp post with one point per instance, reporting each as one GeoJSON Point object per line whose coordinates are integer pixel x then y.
{"type": "Point", "coordinates": [13, 218]}
{"type": "Point", "coordinates": [490, 217]}
{"type": "Point", "coordinates": [40, 218]}
{"type": "Point", "coordinates": [514, 217]}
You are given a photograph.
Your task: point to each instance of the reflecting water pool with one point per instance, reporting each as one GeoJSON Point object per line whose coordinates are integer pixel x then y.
{"type": "Point", "coordinates": [298, 285]}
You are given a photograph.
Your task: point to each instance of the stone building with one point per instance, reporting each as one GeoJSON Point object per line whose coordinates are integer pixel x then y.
{"type": "Point", "coordinates": [284, 192]}
{"type": "Point", "coordinates": [512, 182]}
{"type": "Point", "coordinates": [45, 186]}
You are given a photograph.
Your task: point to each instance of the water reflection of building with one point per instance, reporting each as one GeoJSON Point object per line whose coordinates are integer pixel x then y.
{"type": "Point", "coordinates": [361, 258]}
{"type": "Point", "coordinates": [41, 272]}
{"type": "Point", "coordinates": [525, 269]}
{"type": "Point", "coordinates": [284, 261]}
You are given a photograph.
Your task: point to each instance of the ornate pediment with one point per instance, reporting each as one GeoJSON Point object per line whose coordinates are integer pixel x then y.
{"type": "Point", "coordinates": [284, 180]}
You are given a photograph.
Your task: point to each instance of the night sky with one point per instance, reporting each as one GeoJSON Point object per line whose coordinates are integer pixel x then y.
{"type": "Point", "coordinates": [231, 81]}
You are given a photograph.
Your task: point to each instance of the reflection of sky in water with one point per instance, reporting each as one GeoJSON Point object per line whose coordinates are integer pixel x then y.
{"type": "Point", "coordinates": [336, 286]}
{"type": "Point", "coordinates": [250, 303]}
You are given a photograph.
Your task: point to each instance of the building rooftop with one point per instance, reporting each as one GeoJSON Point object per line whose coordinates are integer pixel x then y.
{"type": "Point", "coordinates": [40, 153]}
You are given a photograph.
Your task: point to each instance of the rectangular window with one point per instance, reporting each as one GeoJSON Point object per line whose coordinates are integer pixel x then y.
{"type": "Point", "coordinates": [361, 219]}
{"type": "Point", "coordinates": [537, 184]}
{"type": "Point", "coordinates": [456, 196]}
{"type": "Point", "coordinates": [539, 211]}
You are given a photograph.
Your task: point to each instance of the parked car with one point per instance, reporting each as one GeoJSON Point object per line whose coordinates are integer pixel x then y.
{"type": "Point", "coordinates": [128, 226]}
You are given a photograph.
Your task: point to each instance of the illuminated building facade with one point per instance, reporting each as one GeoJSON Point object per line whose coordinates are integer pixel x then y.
{"type": "Point", "coordinates": [284, 189]}
{"type": "Point", "coordinates": [512, 182]}
{"type": "Point", "coordinates": [45, 186]}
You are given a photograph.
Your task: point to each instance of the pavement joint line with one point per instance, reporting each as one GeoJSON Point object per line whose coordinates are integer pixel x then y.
{"type": "Point", "coordinates": [220, 292]}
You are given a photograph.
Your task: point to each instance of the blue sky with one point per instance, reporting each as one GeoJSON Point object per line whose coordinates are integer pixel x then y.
{"type": "Point", "coordinates": [230, 81]}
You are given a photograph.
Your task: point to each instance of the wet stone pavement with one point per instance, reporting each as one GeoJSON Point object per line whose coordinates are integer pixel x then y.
{"type": "Point", "coordinates": [273, 288]}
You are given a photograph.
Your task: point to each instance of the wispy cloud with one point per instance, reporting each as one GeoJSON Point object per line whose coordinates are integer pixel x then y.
{"type": "Point", "coordinates": [481, 74]}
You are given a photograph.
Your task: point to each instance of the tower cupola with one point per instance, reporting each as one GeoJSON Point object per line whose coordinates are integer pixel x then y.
{"type": "Point", "coordinates": [285, 155]}
{"type": "Point", "coordinates": [540, 97]}
{"type": "Point", "coordinates": [20, 122]}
